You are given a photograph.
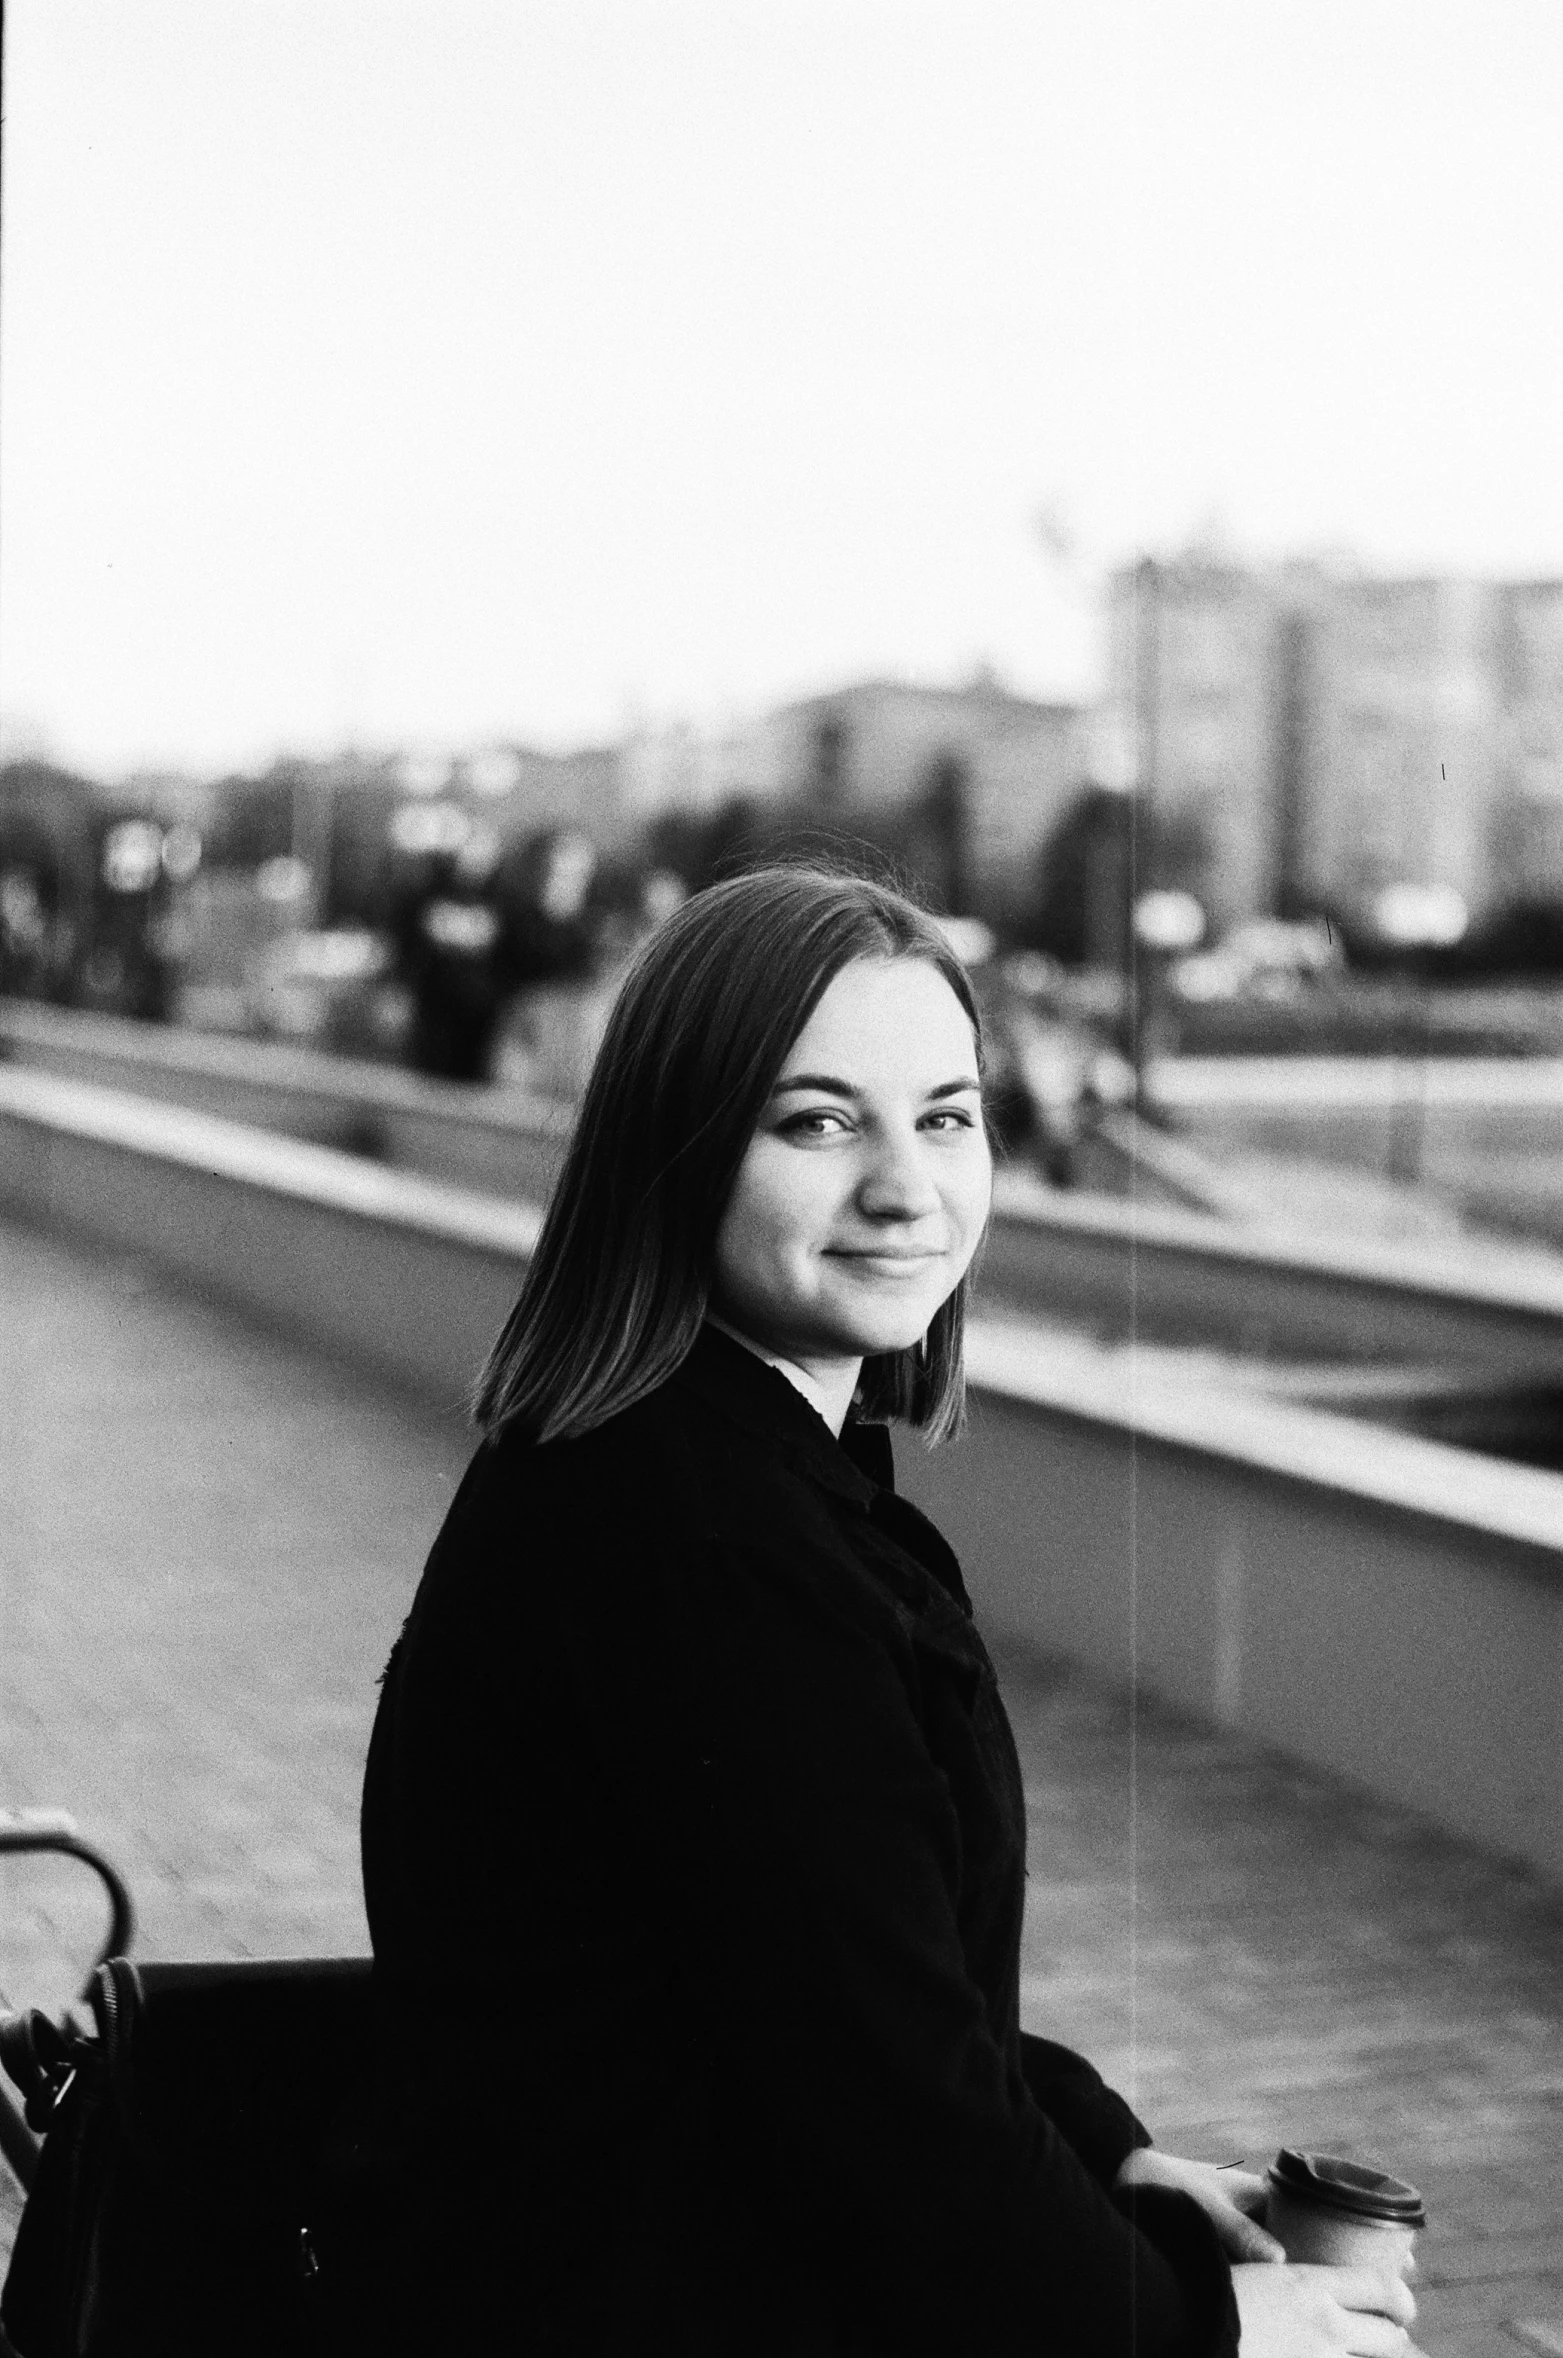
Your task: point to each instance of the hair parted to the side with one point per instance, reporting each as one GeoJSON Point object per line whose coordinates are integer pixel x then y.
{"type": "Point", "coordinates": [618, 1284]}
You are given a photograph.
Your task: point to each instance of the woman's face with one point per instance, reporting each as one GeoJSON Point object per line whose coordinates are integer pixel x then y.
{"type": "Point", "coordinates": [865, 1189]}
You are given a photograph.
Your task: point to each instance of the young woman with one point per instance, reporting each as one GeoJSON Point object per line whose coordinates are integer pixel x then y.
{"type": "Point", "coordinates": [694, 1839]}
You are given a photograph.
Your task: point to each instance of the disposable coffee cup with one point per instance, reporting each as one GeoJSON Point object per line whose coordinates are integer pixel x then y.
{"type": "Point", "coordinates": [1342, 2214]}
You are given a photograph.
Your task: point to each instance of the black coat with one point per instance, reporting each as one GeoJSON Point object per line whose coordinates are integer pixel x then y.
{"type": "Point", "coordinates": [694, 1852]}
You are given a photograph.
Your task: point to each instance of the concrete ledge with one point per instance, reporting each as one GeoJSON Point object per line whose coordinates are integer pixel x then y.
{"type": "Point", "coordinates": [1109, 1264]}
{"type": "Point", "coordinates": [1378, 1605]}
{"type": "Point", "coordinates": [1471, 1117]}
{"type": "Point", "coordinates": [1065, 1376]}
{"type": "Point", "coordinates": [60, 1040]}
{"type": "Point", "coordinates": [1469, 1271]}
{"type": "Point", "coordinates": [394, 1272]}
{"type": "Point", "coordinates": [1489, 1082]}
{"type": "Point", "coordinates": [1410, 1640]}
{"type": "Point", "coordinates": [1129, 1268]}
{"type": "Point", "coordinates": [509, 1144]}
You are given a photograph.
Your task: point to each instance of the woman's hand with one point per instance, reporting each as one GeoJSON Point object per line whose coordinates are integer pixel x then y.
{"type": "Point", "coordinates": [1298, 2311]}
{"type": "Point", "coordinates": [1226, 2197]}
{"type": "Point", "coordinates": [1286, 2310]}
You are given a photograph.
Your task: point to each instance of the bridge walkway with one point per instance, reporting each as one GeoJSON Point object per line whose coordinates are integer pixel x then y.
{"type": "Point", "coordinates": [208, 1536]}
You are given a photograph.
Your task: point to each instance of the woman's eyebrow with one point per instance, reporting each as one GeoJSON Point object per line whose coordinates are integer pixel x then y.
{"type": "Point", "coordinates": [831, 1086]}
{"type": "Point", "coordinates": [827, 1082]}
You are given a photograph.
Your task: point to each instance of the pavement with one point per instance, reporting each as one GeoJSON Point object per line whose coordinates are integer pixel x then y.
{"type": "Point", "coordinates": [208, 1537]}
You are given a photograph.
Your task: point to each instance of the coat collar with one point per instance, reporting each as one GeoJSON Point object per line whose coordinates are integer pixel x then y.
{"type": "Point", "coordinates": [741, 1387]}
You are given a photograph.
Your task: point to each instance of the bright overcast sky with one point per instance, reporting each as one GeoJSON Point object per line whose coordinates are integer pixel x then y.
{"type": "Point", "coordinates": [427, 372]}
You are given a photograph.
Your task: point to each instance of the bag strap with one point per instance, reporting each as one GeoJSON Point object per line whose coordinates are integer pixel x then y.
{"type": "Point", "coordinates": [119, 2007]}
{"type": "Point", "coordinates": [117, 2000]}
{"type": "Point", "coordinates": [41, 2056]}
{"type": "Point", "coordinates": [40, 2059]}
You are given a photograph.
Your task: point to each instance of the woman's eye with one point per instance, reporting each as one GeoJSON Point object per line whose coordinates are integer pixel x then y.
{"type": "Point", "coordinates": [824, 1123]}
{"type": "Point", "coordinates": [952, 1117]}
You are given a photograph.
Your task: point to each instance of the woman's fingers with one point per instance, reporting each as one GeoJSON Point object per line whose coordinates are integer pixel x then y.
{"type": "Point", "coordinates": [1242, 2238]}
{"type": "Point", "coordinates": [1229, 2196]}
{"type": "Point", "coordinates": [1355, 2312]}
{"type": "Point", "coordinates": [1249, 2196]}
{"type": "Point", "coordinates": [1375, 2337]}
{"type": "Point", "coordinates": [1372, 2290]}
{"type": "Point", "coordinates": [1250, 2192]}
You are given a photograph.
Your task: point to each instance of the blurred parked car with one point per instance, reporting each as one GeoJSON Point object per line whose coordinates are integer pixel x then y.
{"type": "Point", "coordinates": [332, 988]}
{"type": "Point", "coordinates": [1266, 958]}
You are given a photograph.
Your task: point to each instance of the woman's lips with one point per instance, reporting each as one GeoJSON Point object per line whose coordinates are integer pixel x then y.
{"type": "Point", "coordinates": [888, 1264]}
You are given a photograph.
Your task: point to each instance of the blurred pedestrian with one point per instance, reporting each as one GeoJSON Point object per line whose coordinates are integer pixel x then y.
{"type": "Point", "coordinates": [694, 1835]}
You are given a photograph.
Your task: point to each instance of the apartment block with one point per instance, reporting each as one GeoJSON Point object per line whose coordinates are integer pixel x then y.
{"type": "Point", "coordinates": [1194, 689]}
{"type": "Point", "coordinates": [1399, 773]}
{"type": "Point", "coordinates": [1310, 735]}
{"type": "Point", "coordinates": [1527, 833]}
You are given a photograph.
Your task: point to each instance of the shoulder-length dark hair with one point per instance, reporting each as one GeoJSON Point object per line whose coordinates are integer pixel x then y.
{"type": "Point", "coordinates": [619, 1282]}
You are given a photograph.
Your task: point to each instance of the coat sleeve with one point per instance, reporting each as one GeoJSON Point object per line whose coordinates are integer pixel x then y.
{"type": "Point", "coordinates": [897, 2131]}
{"type": "Point", "coordinates": [1092, 2117]}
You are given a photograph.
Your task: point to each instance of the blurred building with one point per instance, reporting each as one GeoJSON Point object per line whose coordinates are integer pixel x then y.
{"type": "Point", "coordinates": [1398, 774]}
{"type": "Point", "coordinates": [964, 782]}
{"type": "Point", "coordinates": [520, 789]}
{"type": "Point", "coordinates": [1194, 685]}
{"type": "Point", "coordinates": [582, 789]}
{"type": "Point", "coordinates": [1306, 736]}
{"type": "Point", "coordinates": [1527, 835]}
{"type": "Point", "coordinates": [676, 767]}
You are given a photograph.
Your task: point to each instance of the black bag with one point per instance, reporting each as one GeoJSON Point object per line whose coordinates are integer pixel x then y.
{"type": "Point", "coordinates": [201, 2192]}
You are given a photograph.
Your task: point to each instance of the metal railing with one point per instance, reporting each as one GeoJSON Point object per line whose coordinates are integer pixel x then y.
{"type": "Point", "coordinates": [53, 1830]}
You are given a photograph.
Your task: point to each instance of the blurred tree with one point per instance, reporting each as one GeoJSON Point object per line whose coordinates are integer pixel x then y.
{"type": "Point", "coordinates": [51, 823]}
{"type": "Point", "coordinates": [1525, 937]}
{"type": "Point", "coordinates": [251, 819]}
{"type": "Point", "coordinates": [702, 846]}
{"type": "Point", "coordinates": [1084, 873]}
{"type": "Point", "coordinates": [1175, 852]}
{"type": "Point", "coordinates": [1106, 850]}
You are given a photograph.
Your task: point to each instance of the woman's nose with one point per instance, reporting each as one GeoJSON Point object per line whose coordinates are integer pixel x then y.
{"type": "Point", "coordinates": [898, 1183]}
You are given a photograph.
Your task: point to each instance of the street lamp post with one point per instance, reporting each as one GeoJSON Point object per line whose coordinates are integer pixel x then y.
{"type": "Point", "coordinates": [1143, 954]}
{"type": "Point", "coordinates": [1141, 975]}
{"type": "Point", "coordinates": [1166, 925]}
{"type": "Point", "coordinates": [1410, 919]}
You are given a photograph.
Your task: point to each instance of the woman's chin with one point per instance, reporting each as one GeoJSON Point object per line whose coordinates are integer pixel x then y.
{"type": "Point", "coordinates": [871, 1338]}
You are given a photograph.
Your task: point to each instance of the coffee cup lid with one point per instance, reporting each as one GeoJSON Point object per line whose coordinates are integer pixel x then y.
{"type": "Point", "coordinates": [1347, 2186]}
